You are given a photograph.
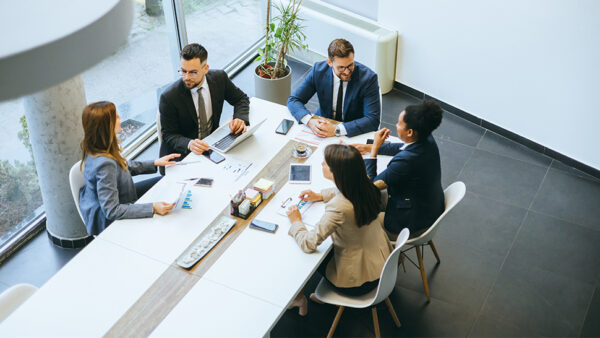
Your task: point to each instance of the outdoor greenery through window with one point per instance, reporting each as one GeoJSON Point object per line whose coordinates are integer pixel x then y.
{"type": "Point", "coordinates": [20, 194]}
{"type": "Point", "coordinates": [132, 78]}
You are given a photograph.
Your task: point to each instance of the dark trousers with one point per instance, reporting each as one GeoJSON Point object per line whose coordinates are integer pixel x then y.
{"type": "Point", "coordinates": [353, 291]}
{"type": "Point", "coordinates": [142, 187]}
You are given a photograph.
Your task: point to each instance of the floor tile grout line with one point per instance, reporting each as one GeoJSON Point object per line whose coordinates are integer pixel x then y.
{"type": "Point", "coordinates": [578, 174]}
{"type": "Point", "coordinates": [490, 151]}
{"type": "Point", "coordinates": [485, 131]}
{"type": "Point", "coordinates": [465, 165]}
{"type": "Point", "coordinates": [534, 211]}
{"type": "Point", "coordinates": [539, 187]}
{"type": "Point", "coordinates": [498, 273]}
{"type": "Point", "coordinates": [563, 220]}
{"type": "Point", "coordinates": [587, 310]}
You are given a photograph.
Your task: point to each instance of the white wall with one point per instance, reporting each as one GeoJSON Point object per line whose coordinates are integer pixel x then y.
{"type": "Point", "coordinates": [529, 66]}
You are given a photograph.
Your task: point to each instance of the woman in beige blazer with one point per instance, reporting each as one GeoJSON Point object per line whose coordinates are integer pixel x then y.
{"type": "Point", "coordinates": [352, 218]}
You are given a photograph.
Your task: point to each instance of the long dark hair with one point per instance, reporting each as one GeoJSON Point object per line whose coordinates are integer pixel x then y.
{"type": "Point", "coordinates": [350, 177]}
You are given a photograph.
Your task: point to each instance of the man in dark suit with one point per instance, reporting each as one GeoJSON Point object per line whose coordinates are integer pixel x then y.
{"type": "Point", "coordinates": [190, 108]}
{"type": "Point", "coordinates": [413, 176]}
{"type": "Point", "coordinates": [357, 104]}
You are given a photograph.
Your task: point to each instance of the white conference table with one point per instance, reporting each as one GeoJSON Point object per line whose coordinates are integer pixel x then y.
{"type": "Point", "coordinates": [244, 293]}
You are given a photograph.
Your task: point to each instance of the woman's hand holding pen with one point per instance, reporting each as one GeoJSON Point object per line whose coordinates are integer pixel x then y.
{"type": "Point", "coordinates": [311, 196]}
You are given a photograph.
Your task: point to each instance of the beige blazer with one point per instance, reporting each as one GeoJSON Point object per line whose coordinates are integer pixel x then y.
{"type": "Point", "coordinates": [359, 253]}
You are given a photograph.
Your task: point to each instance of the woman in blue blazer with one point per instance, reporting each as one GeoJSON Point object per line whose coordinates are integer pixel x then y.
{"type": "Point", "coordinates": [413, 176]}
{"type": "Point", "coordinates": [109, 191]}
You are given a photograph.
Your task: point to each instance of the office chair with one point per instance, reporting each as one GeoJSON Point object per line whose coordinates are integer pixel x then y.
{"type": "Point", "coordinates": [326, 294]}
{"type": "Point", "coordinates": [77, 182]}
{"type": "Point", "coordinates": [13, 297]}
{"type": "Point", "coordinates": [452, 195]}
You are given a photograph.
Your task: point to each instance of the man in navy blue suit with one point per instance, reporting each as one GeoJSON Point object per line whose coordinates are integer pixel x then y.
{"type": "Point", "coordinates": [356, 105]}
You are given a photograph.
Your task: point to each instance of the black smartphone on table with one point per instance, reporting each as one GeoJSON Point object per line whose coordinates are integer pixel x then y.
{"type": "Point", "coordinates": [214, 156]}
{"type": "Point", "coordinates": [284, 127]}
{"type": "Point", "coordinates": [204, 182]}
{"type": "Point", "coordinates": [264, 226]}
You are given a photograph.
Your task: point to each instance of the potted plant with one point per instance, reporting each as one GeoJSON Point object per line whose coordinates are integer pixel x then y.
{"type": "Point", "coordinates": [273, 80]}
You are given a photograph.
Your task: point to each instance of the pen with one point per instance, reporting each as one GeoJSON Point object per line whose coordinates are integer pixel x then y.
{"type": "Point", "coordinates": [184, 163]}
{"type": "Point", "coordinates": [244, 172]}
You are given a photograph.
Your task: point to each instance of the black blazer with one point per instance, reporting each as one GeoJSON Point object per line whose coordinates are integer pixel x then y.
{"type": "Point", "coordinates": [414, 180]}
{"type": "Point", "coordinates": [178, 116]}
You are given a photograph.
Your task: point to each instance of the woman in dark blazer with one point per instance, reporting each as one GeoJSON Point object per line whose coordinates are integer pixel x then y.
{"type": "Point", "coordinates": [413, 176]}
{"type": "Point", "coordinates": [109, 191]}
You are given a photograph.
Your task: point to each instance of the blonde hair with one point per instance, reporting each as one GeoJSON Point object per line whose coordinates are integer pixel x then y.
{"type": "Point", "coordinates": [98, 120]}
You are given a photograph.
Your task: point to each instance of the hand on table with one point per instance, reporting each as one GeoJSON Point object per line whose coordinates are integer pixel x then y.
{"type": "Point", "coordinates": [198, 146]}
{"type": "Point", "coordinates": [321, 127]}
{"type": "Point", "coordinates": [237, 126]}
{"type": "Point", "coordinates": [162, 208]}
{"type": "Point", "coordinates": [311, 196]}
{"type": "Point", "coordinates": [294, 214]}
{"type": "Point", "coordinates": [166, 160]}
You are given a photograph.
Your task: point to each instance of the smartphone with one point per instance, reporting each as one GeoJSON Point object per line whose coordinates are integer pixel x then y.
{"type": "Point", "coordinates": [299, 173]}
{"type": "Point", "coordinates": [205, 182]}
{"type": "Point", "coordinates": [284, 126]}
{"type": "Point", "coordinates": [264, 226]}
{"type": "Point", "coordinates": [214, 156]}
{"type": "Point", "coordinates": [370, 141]}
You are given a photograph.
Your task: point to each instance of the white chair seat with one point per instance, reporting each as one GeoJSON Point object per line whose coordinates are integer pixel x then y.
{"type": "Point", "coordinates": [13, 297]}
{"type": "Point", "coordinates": [331, 296]}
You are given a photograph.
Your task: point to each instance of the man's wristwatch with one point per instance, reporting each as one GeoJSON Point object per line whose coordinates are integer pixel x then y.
{"type": "Point", "coordinates": [337, 131]}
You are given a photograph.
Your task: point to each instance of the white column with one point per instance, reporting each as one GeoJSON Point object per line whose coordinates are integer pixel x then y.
{"type": "Point", "coordinates": [54, 122]}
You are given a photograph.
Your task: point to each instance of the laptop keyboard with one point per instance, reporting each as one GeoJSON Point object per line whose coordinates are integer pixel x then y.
{"type": "Point", "coordinates": [226, 141]}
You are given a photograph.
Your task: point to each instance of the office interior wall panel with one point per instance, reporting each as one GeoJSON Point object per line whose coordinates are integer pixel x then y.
{"type": "Point", "coordinates": [531, 67]}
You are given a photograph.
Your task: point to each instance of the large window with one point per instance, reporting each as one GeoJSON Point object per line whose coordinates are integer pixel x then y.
{"type": "Point", "coordinates": [20, 195]}
{"type": "Point", "coordinates": [132, 78]}
{"type": "Point", "coordinates": [224, 28]}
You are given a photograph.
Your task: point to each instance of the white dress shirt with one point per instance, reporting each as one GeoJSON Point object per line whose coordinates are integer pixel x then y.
{"type": "Point", "coordinates": [336, 86]}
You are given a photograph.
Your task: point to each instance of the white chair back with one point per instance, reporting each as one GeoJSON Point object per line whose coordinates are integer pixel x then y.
{"type": "Point", "coordinates": [13, 297]}
{"type": "Point", "coordinates": [77, 182]}
{"type": "Point", "coordinates": [452, 195]}
{"type": "Point", "coordinates": [387, 280]}
{"type": "Point", "coordinates": [158, 127]}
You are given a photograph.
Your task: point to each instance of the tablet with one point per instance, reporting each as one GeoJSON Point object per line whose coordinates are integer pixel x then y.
{"type": "Point", "coordinates": [299, 173]}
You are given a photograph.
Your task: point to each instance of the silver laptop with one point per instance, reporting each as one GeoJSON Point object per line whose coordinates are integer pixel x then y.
{"type": "Point", "coordinates": [222, 140]}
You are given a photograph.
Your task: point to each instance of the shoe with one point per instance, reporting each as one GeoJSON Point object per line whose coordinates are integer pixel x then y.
{"type": "Point", "coordinates": [314, 298]}
{"type": "Point", "coordinates": [301, 303]}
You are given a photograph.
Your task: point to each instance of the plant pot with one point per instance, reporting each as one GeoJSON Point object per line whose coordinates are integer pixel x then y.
{"type": "Point", "coordinates": [274, 90]}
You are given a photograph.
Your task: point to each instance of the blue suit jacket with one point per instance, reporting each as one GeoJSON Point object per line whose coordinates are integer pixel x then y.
{"type": "Point", "coordinates": [413, 177]}
{"type": "Point", "coordinates": [362, 108]}
{"type": "Point", "coordinates": [109, 192]}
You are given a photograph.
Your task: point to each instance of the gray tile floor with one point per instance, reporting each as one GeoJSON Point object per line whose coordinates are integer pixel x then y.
{"type": "Point", "coordinates": [520, 254]}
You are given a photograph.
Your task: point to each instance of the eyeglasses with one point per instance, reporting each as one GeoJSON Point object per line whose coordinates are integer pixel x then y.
{"type": "Point", "coordinates": [341, 69]}
{"type": "Point", "coordinates": [192, 73]}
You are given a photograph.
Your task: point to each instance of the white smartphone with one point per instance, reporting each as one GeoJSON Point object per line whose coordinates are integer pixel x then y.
{"type": "Point", "coordinates": [299, 173]}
